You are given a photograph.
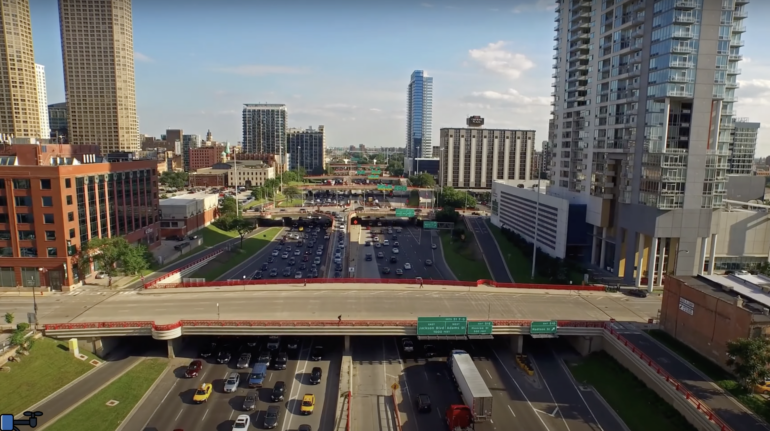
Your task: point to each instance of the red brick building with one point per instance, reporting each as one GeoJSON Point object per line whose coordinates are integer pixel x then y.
{"type": "Point", "coordinates": [705, 312]}
{"type": "Point", "coordinates": [184, 214]}
{"type": "Point", "coordinates": [205, 157]}
{"type": "Point", "coordinates": [54, 198]}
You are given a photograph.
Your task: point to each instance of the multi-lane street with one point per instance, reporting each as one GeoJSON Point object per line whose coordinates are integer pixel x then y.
{"type": "Point", "coordinates": [497, 267]}
{"type": "Point", "coordinates": [170, 405]}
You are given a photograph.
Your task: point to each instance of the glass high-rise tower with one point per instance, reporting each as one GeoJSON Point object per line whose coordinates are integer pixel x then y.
{"type": "Point", "coordinates": [419, 116]}
{"type": "Point", "coordinates": [643, 115]}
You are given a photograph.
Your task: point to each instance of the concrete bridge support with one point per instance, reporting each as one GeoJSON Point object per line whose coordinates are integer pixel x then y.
{"type": "Point", "coordinates": [172, 336]}
{"type": "Point", "coordinates": [174, 346]}
{"type": "Point", "coordinates": [585, 345]}
{"type": "Point", "coordinates": [347, 345]}
{"type": "Point", "coordinates": [517, 344]}
{"type": "Point", "coordinates": [99, 346]}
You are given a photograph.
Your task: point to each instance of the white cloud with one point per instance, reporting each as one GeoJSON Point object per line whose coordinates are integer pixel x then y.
{"type": "Point", "coordinates": [510, 99]}
{"type": "Point", "coordinates": [495, 58]}
{"type": "Point", "coordinates": [138, 56]}
{"type": "Point", "coordinates": [375, 110]}
{"type": "Point", "coordinates": [261, 70]}
{"type": "Point", "coordinates": [426, 5]}
{"type": "Point", "coordinates": [758, 89]}
{"type": "Point", "coordinates": [535, 6]}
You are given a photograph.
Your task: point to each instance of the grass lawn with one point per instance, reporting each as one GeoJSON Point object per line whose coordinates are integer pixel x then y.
{"type": "Point", "coordinates": [291, 202]}
{"type": "Point", "coordinates": [721, 377]}
{"type": "Point", "coordinates": [49, 367]}
{"type": "Point", "coordinates": [261, 201]}
{"type": "Point", "coordinates": [213, 235]}
{"type": "Point", "coordinates": [251, 246]}
{"type": "Point", "coordinates": [461, 258]}
{"type": "Point", "coordinates": [94, 415]}
{"type": "Point", "coordinates": [636, 404]}
{"type": "Point", "coordinates": [520, 265]}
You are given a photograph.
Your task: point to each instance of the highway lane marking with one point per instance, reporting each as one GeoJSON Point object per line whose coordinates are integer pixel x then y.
{"type": "Point", "coordinates": [177, 416]}
{"type": "Point", "coordinates": [287, 424]}
{"type": "Point", "coordinates": [574, 385]}
{"type": "Point", "coordinates": [204, 414]}
{"type": "Point", "coordinates": [511, 410]}
{"type": "Point", "coordinates": [405, 385]}
{"type": "Point", "coordinates": [507, 371]}
{"type": "Point", "coordinates": [160, 403]}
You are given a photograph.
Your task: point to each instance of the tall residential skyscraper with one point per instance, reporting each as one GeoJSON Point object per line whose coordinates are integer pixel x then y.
{"type": "Point", "coordinates": [264, 128]}
{"type": "Point", "coordinates": [306, 149]}
{"type": "Point", "coordinates": [19, 111]}
{"type": "Point", "coordinates": [419, 115]}
{"type": "Point", "coordinates": [643, 114]}
{"type": "Point", "coordinates": [98, 54]}
{"type": "Point", "coordinates": [742, 147]}
{"type": "Point", "coordinates": [42, 101]}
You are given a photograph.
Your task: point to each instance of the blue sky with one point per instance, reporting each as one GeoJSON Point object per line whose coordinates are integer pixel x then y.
{"type": "Point", "coordinates": [346, 64]}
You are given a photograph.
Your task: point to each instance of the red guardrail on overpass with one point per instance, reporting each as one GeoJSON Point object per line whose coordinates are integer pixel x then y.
{"type": "Point", "coordinates": [275, 281]}
{"type": "Point", "coordinates": [150, 284]}
{"type": "Point", "coordinates": [349, 323]}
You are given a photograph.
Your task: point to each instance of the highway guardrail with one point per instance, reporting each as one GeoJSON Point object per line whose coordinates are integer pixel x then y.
{"type": "Point", "coordinates": [178, 272]}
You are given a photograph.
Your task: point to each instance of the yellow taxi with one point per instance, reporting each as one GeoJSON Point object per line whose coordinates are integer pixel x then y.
{"type": "Point", "coordinates": [762, 388]}
{"type": "Point", "coordinates": [308, 403]}
{"type": "Point", "coordinates": [203, 393]}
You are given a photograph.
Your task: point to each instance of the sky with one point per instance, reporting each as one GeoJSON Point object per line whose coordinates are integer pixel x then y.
{"type": "Point", "coordinates": [346, 64]}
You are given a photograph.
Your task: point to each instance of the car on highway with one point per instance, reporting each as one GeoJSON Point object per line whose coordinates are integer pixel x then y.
{"type": "Point", "coordinates": [292, 261]}
{"type": "Point", "coordinates": [386, 270]}
{"type": "Point", "coordinates": [286, 272]}
{"type": "Point", "coordinates": [338, 260]}
{"type": "Point", "coordinates": [396, 244]}
{"type": "Point", "coordinates": [395, 251]}
{"type": "Point", "coordinates": [317, 261]}
{"type": "Point", "coordinates": [368, 243]}
{"type": "Point", "coordinates": [297, 252]}
{"type": "Point", "coordinates": [271, 417]}
{"type": "Point", "coordinates": [292, 343]}
{"type": "Point", "coordinates": [278, 392]}
{"type": "Point", "coordinates": [203, 393]}
{"type": "Point", "coordinates": [275, 253]}
{"type": "Point", "coordinates": [399, 271]}
{"type": "Point", "coordinates": [298, 275]}
{"type": "Point", "coordinates": [407, 265]}
{"type": "Point", "coordinates": [368, 256]}
{"type": "Point", "coordinates": [314, 274]}
{"type": "Point", "coordinates": [319, 252]}
{"type": "Point", "coordinates": [393, 259]}
{"type": "Point", "coordinates": [306, 427]}
{"type": "Point", "coordinates": [223, 357]}
{"type": "Point", "coordinates": [428, 350]}
{"type": "Point", "coordinates": [244, 360]}
{"type": "Point", "coordinates": [273, 342]}
{"type": "Point", "coordinates": [317, 353]}
{"type": "Point", "coordinates": [232, 382]}
{"type": "Point", "coordinates": [433, 246]}
{"type": "Point", "coordinates": [208, 351]}
{"type": "Point", "coordinates": [380, 255]}
{"type": "Point", "coordinates": [242, 422]}
{"type": "Point", "coordinates": [193, 369]}
{"type": "Point", "coordinates": [270, 259]}
{"type": "Point", "coordinates": [315, 376]}
{"type": "Point", "coordinates": [274, 272]}
{"type": "Point", "coordinates": [326, 236]}
{"type": "Point", "coordinates": [428, 262]}
{"type": "Point", "coordinates": [280, 361]}
{"type": "Point", "coordinates": [257, 275]}
{"type": "Point", "coordinates": [386, 242]}
{"type": "Point", "coordinates": [285, 255]}
{"type": "Point", "coordinates": [308, 404]}
{"type": "Point", "coordinates": [306, 258]}
{"type": "Point", "coordinates": [302, 266]}
{"type": "Point", "coordinates": [250, 402]}
{"type": "Point", "coordinates": [264, 266]}
{"type": "Point", "coordinates": [407, 345]}
{"type": "Point", "coordinates": [423, 403]}
{"type": "Point", "coordinates": [337, 274]}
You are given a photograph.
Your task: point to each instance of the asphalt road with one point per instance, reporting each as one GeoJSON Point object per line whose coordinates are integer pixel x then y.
{"type": "Point", "coordinates": [170, 405]}
{"type": "Point", "coordinates": [375, 368]}
{"type": "Point", "coordinates": [495, 261]}
{"type": "Point", "coordinates": [414, 247]}
{"type": "Point", "coordinates": [728, 410]}
{"type": "Point", "coordinates": [292, 301]}
{"type": "Point", "coordinates": [249, 266]}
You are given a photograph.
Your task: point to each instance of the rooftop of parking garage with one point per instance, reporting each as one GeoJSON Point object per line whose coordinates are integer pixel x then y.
{"type": "Point", "coordinates": [713, 287]}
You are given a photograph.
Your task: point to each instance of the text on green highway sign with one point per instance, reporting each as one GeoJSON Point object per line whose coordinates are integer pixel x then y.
{"type": "Point", "coordinates": [400, 188]}
{"type": "Point", "coordinates": [548, 327]}
{"type": "Point", "coordinates": [430, 225]}
{"type": "Point", "coordinates": [441, 325]}
{"type": "Point", "coordinates": [480, 328]}
{"type": "Point", "coordinates": [404, 212]}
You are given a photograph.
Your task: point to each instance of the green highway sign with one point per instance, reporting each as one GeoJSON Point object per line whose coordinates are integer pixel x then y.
{"type": "Point", "coordinates": [441, 325]}
{"type": "Point", "coordinates": [376, 171]}
{"type": "Point", "coordinates": [480, 328]}
{"type": "Point", "coordinates": [360, 172]}
{"type": "Point", "coordinates": [430, 225]}
{"type": "Point", "coordinates": [543, 327]}
{"type": "Point", "coordinates": [400, 188]}
{"type": "Point", "coordinates": [404, 212]}
{"type": "Point", "coordinates": [384, 187]}
{"type": "Point", "coordinates": [374, 177]}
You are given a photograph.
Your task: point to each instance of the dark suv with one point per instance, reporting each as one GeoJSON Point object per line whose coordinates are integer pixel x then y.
{"type": "Point", "coordinates": [423, 403]}
{"type": "Point", "coordinates": [278, 391]}
{"type": "Point", "coordinates": [315, 376]}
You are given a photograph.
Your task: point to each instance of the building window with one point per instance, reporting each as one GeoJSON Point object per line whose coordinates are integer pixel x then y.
{"type": "Point", "coordinates": [70, 216]}
{"type": "Point", "coordinates": [2, 183]}
{"type": "Point", "coordinates": [68, 183]}
{"type": "Point", "coordinates": [3, 201]}
{"type": "Point", "coordinates": [48, 218]}
{"type": "Point", "coordinates": [45, 184]}
{"type": "Point", "coordinates": [72, 233]}
{"type": "Point", "coordinates": [3, 218]}
{"type": "Point", "coordinates": [6, 252]}
{"type": "Point", "coordinates": [23, 201]}
{"type": "Point", "coordinates": [69, 199]}
{"type": "Point", "coordinates": [47, 201]}
{"type": "Point", "coordinates": [7, 277]}
{"type": "Point", "coordinates": [26, 235]}
{"type": "Point", "coordinates": [51, 251]}
{"type": "Point", "coordinates": [50, 235]}
{"type": "Point", "coordinates": [28, 252]}
{"type": "Point", "coordinates": [5, 234]}
{"type": "Point", "coordinates": [24, 218]}
{"type": "Point", "coordinates": [21, 184]}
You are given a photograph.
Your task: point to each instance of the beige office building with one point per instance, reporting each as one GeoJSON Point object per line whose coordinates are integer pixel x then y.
{"type": "Point", "coordinates": [19, 113]}
{"type": "Point", "coordinates": [98, 53]}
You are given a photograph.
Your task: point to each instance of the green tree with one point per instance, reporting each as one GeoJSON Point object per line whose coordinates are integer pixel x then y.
{"type": "Point", "coordinates": [291, 192]}
{"type": "Point", "coordinates": [177, 180]}
{"type": "Point", "coordinates": [271, 185]}
{"type": "Point", "coordinates": [242, 227]}
{"type": "Point", "coordinates": [447, 215]}
{"type": "Point", "coordinates": [9, 318]}
{"type": "Point", "coordinates": [229, 207]}
{"type": "Point", "coordinates": [258, 192]}
{"type": "Point", "coordinates": [113, 255]}
{"type": "Point", "coordinates": [422, 180]}
{"type": "Point", "coordinates": [18, 338]}
{"type": "Point", "coordinates": [414, 198]}
{"type": "Point", "coordinates": [289, 177]}
{"type": "Point", "coordinates": [135, 259]}
{"type": "Point", "coordinates": [749, 359]}
{"type": "Point", "coordinates": [456, 198]}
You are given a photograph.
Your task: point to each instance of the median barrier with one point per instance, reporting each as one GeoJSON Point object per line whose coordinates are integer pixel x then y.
{"type": "Point", "coordinates": [350, 398]}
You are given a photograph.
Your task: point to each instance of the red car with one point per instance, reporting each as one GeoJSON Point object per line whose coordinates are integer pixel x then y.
{"type": "Point", "coordinates": [193, 369]}
{"type": "Point", "coordinates": [305, 258]}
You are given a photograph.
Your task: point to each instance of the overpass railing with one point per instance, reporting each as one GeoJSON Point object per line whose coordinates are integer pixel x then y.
{"type": "Point", "coordinates": [411, 281]}
{"type": "Point", "coordinates": [607, 326]}
{"type": "Point", "coordinates": [179, 271]}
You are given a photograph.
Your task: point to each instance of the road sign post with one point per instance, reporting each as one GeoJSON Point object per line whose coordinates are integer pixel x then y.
{"type": "Point", "coordinates": [543, 328]}
{"type": "Point", "coordinates": [480, 328]}
{"type": "Point", "coordinates": [427, 326]}
{"type": "Point", "coordinates": [404, 212]}
{"type": "Point", "coordinates": [429, 225]}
